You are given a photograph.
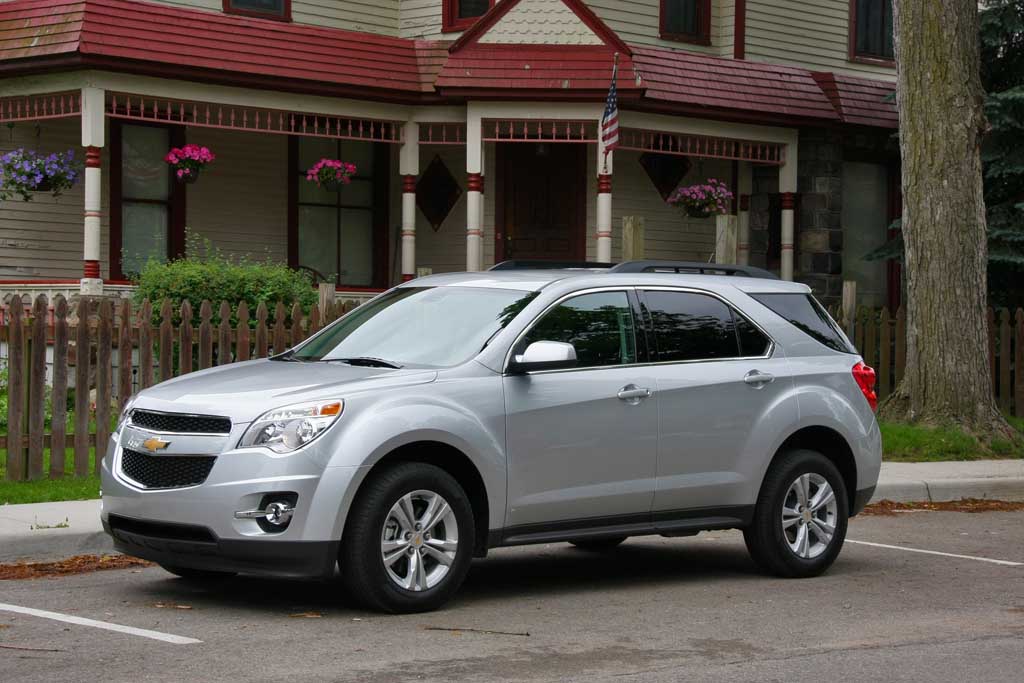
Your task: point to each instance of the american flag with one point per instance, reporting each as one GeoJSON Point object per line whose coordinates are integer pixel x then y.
{"type": "Point", "coordinates": [610, 120]}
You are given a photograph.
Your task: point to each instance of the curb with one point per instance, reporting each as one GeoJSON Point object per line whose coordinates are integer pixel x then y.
{"type": "Point", "coordinates": [1010, 489]}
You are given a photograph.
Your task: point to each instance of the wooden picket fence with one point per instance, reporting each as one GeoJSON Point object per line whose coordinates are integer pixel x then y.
{"type": "Point", "coordinates": [881, 338]}
{"type": "Point", "coordinates": [111, 349]}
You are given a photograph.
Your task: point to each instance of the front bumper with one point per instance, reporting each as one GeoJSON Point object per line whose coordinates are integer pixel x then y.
{"type": "Point", "coordinates": [195, 547]}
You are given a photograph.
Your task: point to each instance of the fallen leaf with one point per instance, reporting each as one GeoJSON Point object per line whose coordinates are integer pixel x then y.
{"type": "Point", "coordinates": [306, 615]}
{"type": "Point", "coordinates": [162, 605]}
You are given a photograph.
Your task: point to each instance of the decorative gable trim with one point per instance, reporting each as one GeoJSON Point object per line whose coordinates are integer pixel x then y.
{"type": "Point", "coordinates": [501, 9]}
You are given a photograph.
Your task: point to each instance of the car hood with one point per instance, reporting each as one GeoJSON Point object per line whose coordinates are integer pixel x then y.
{"type": "Point", "coordinates": [244, 391]}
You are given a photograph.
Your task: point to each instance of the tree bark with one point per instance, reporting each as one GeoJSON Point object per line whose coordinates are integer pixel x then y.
{"type": "Point", "coordinates": [942, 122]}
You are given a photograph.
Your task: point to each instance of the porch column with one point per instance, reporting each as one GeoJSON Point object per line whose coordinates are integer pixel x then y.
{"type": "Point", "coordinates": [745, 186]}
{"type": "Point", "coordinates": [787, 191]}
{"type": "Point", "coordinates": [93, 138]}
{"type": "Point", "coordinates": [605, 165]}
{"type": "Point", "coordinates": [474, 196]}
{"type": "Point", "coordinates": [409, 163]}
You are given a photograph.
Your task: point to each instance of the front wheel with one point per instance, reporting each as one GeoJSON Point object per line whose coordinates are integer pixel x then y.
{"type": "Point", "coordinates": [409, 539]}
{"type": "Point", "coordinates": [801, 515]}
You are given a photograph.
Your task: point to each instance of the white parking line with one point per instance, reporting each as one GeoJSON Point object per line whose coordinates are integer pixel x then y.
{"type": "Point", "coordinates": [81, 621]}
{"type": "Point", "coordinates": [1005, 563]}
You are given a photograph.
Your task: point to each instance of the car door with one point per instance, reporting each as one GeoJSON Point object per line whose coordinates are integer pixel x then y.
{"type": "Point", "coordinates": [582, 443]}
{"type": "Point", "coordinates": [718, 376]}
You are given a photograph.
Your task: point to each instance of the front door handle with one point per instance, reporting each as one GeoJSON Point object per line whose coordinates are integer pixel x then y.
{"type": "Point", "coordinates": [758, 379]}
{"type": "Point", "coordinates": [631, 393]}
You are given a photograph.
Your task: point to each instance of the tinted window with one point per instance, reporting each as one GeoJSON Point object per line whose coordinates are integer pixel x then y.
{"type": "Point", "coordinates": [599, 325]}
{"type": "Point", "coordinates": [804, 312]}
{"type": "Point", "coordinates": [752, 342]}
{"type": "Point", "coordinates": [691, 326]}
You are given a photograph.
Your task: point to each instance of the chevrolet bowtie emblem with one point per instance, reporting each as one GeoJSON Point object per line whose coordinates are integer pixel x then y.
{"type": "Point", "coordinates": [154, 444]}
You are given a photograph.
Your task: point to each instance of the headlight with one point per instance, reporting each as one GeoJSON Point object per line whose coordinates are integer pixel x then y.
{"type": "Point", "coordinates": [122, 420]}
{"type": "Point", "coordinates": [284, 430]}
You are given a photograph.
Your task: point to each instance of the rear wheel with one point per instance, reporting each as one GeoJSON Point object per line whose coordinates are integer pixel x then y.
{"type": "Point", "coordinates": [409, 539]}
{"type": "Point", "coordinates": [800, 520]}
{"type": "Point", "coordinates": [196, 574]}
{"type": "Point", "coordinates": [598, 544]}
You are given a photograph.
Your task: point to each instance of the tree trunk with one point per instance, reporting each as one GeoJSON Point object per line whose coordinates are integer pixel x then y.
{"type": "Point", "coordinates": [942, 122]}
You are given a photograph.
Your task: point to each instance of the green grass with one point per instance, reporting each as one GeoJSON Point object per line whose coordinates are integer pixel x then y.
{"type": "Point", "coordinates": [915, 443]}
{"type": "Point", "coordinates": [47, 490]}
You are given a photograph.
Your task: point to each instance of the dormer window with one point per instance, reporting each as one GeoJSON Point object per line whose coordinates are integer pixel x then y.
{"type": "Point", "coordinates": [461, 14]}
{"type": "Point", "coordinates": [688, 21]}
{"type": "Point", "coordinates": [278, 10]}
{"type": "Point", "coordinates": [871, 31]}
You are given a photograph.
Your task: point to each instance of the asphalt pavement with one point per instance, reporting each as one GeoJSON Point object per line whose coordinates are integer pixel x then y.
{"type": "Point", "coordinates": [692, 609]}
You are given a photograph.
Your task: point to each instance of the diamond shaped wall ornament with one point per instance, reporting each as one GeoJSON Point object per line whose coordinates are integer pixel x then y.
{"type": "Point", "coordinates": [437, 191]}
{"type": "Point", "coordinates": [666, 171]}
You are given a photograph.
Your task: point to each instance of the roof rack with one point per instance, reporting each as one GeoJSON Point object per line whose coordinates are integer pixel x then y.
{"type": "Point", "coordinates": [549, 265]}
{"type": "Point", "coordinates": [679, 267]}
{"type": "Point", "coordinates": [692, 267]}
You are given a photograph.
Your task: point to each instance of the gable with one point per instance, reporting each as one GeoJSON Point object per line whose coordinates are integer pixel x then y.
{"type": "Point", "coordinates": [540, 22]}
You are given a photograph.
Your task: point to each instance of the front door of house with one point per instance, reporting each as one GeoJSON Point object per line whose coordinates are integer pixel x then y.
{"type": "Point", "coordinates": [541, 201]}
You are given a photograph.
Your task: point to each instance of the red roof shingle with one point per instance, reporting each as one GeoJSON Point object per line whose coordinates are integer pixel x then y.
{"type": "Point", "coordinates": [860, 101]}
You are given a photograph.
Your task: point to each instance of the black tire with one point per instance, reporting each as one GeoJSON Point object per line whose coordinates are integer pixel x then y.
{"type": "Point", "coordinates": [196, 574]}
{"type": "Point", "coordinates": [768, 542]}
{"type": "Point", "coordinates": [362, 567]}
{"type": "Point", "coordinates": [598, 544]}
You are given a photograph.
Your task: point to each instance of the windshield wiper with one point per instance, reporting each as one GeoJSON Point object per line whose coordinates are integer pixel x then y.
{"type": "Point", "coordinates": [367, 362]}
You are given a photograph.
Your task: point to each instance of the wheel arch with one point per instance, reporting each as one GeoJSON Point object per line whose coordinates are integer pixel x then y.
{"type": "Point", "coordinates": [830, 444]}
{"type": "Point", "coordinates": [457, 464]}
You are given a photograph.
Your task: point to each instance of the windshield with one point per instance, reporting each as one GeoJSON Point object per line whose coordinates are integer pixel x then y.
{"type": "Point", "coordinates": [433, 327]}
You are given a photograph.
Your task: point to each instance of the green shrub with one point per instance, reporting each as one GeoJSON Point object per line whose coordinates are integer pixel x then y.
{"type": "Point", "coordinates": [207, 274]}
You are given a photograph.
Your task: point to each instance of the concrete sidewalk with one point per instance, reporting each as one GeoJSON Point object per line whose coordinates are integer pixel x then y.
{"type": "Point", "coordinates": [37, 531]}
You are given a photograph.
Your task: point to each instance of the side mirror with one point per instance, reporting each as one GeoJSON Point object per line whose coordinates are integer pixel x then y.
{"type": "Point", "coordinates": [544, 355]}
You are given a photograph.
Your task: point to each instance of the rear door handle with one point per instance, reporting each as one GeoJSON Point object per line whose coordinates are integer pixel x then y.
{"type": "Point", "coordinates": [756, 378]}
{"type": "Point", "coordinates": [633, 393]}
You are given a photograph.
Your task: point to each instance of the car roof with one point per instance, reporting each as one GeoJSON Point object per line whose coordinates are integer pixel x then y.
{"type": "Point", "coordinates": [536, 280]}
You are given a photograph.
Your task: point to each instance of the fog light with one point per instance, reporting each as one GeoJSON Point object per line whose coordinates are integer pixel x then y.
{"type": "Point", "coordinates": [274, 513]}
{"type": "Point", "coordinates": [279, 514]}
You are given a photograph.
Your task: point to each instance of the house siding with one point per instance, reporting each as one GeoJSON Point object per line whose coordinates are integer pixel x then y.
{"type": "Point", "coordinates": [42, 239]}
{"type": "Point", "coordinates": [541, 22]}
{"type": "Point", "coordinates": [421, 19]}
{"type": "Point", "coordinates": [812, 34]}
{"type": "Point", "coordinates": [240, 204]}
{"type": "Point", "coordinates": [380, 16]}
{"type": "Point", "coordinates": [638, 22]}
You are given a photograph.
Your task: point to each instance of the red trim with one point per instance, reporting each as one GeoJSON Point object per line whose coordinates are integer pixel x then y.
{"type": "Point", "coordinates": [604, 183]}
{"type": "Point", "coordinates": [93, 157]}
{"type": "Point", "coordinates": [91, 269]}
{"type": "Point", "coordinates": [408, 184]}
{"type": "Point", "coordinates": [586, 15]}
{"type": "Point", "coordinates": [474, 182]}
{"type": "Point", "coordinates": [739, 31]}
{"type": "Point", "coordinates": [851, 44]}
{"type": "Point", "coordinates": [787, 201]}
{"type": "Point", "coordinates": [703, 17]}
{"type": "Point", "coordinates": [406, 277]}
{"type": "Point", "coordinates": [285, 15]}
{"type": "Point", "coordinates": [450, 20]}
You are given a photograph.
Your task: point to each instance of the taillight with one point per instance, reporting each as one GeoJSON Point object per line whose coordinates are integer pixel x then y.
{"type": "Point", "coordinates": [865, 377]}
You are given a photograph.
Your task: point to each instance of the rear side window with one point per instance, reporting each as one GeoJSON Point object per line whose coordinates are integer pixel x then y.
{"type": "Point", "coordinates": [690, 326]}
{"type": "Point", "coordinates": [805, 313]}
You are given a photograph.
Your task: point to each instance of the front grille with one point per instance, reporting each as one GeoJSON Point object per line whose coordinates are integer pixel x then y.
{"type": "Point", "coordinates": [180, 423]}
{"type": "Point", "coordinates": [166, 471]}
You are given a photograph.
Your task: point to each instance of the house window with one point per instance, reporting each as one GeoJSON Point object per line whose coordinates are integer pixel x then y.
{"type": "Point", "coordinates": [686, 20]}
{"type": "Point", "coordinates": [871, 36]}
{"type": "Point", "coordinates": [279, 10]}
{"type": "Point", "coordinates": [461, 14]}
{"type": "Point", "coordinates": [147, 206]}
{"type": "Point", "coordinates": [340, 234]}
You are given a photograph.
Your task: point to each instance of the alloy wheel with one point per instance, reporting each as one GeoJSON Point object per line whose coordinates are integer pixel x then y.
{"type": "Point", "coordinates": [809, 514]}
{"type": "Point", "coordinates": [419, 540]}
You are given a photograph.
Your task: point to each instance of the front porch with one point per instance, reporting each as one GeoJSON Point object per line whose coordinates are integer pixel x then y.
{"type": "Point", "coordinates": [437, 188]}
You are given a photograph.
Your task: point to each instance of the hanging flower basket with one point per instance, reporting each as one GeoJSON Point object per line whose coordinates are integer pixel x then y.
{"type": "Point", "coordinates": [702, 201]}
{"type": "Point", "coordinates": [25, 172]}
{"type": "Point", "coordinates": [187, 161]}
{"type": "Point", "coordinates": [331, 174]}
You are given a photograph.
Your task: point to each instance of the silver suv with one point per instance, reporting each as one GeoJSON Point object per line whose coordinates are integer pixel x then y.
{"type": "Point", "coordinates": [462, 412]}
